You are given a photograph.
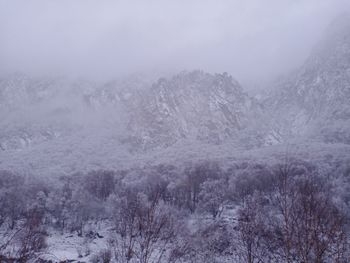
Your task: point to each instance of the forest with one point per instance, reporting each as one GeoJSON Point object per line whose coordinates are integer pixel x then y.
{"type": "Point", "coordinates": [245, 212]}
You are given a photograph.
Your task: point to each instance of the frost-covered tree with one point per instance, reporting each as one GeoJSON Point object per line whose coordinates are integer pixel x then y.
{"type": "Point", "coordinates": [84, 207]}
{"type": "Point", "coordinates": [212, 197]}
{"type": "Point", "coordinates": [100, 183]}
{"type": "Point", "coordinates": [145, 229]}
{"type": "Point", "coordinates": [253, 242]}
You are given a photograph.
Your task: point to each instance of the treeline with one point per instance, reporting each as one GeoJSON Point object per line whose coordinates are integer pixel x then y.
{"type": "Point", "coordinates": [200, 213]}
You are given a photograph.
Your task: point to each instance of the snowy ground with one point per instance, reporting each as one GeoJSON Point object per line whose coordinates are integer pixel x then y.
{"type": "Point", "coordinates": [71, 247]}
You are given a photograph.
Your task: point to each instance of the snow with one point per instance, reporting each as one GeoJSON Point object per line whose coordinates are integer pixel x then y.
{"type": "Point", "coordinates": [68, 246]}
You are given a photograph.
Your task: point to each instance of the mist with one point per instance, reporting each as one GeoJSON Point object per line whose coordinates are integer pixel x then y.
{"type": "Point", "coordinates": [253, 40]}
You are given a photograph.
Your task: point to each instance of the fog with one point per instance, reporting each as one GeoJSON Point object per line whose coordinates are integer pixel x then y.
{"type": "Point", "coordinates": [253, 40]}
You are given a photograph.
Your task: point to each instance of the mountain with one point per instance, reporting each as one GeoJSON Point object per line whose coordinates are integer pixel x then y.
{"type": "Point", "coordinates": [191, 105]}
{"type": "Point", "coordinates": [314, 101]}
{"type": "Point", "coordinates": [58, 125]}
{"type": "Point", "coordinates": [33, 110]}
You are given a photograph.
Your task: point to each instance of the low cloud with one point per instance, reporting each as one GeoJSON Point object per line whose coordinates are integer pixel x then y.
{"type": "Point", "coordinates": [253, 40]}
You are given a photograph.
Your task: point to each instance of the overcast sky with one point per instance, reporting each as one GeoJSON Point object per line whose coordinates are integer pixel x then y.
{"type": "Point", "coordinates": [253, 40]}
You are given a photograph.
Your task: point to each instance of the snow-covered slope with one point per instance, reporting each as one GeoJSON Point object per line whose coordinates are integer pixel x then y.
{"type": "Point", "coordinates": [315, 100]}
{"type": "Point", "coordinates": [191, 105]}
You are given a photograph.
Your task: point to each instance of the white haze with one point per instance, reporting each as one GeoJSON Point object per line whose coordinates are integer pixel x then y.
{"type": "Point", "coordinates": [254, 40]}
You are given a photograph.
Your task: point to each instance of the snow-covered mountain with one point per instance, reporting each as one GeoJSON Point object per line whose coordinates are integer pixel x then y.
{"type": "Point", "coordinates": [191, 105]}
{"type": "Point", "coordinates": [34, 110]}
{"type": "Point", "coordinates": [69, 120]}
{"type": "Point", "coordinates": [314, 101]}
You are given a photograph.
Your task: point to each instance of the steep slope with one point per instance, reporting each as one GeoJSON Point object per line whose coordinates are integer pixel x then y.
{"type": "Point", "coordinates": [191, 105]}
{"type": "Point", "coordinates": [315, 100]}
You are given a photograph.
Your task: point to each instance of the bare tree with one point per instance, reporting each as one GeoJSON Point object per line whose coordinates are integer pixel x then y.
{"type": "Point", "coordinates": [283, 200]}
{"type": "Point", "coordinates": [12, 201]}
{"type": "Point", "coordinates": [308, 225]}
{"type": "Point", "coordinates": [195, 176]}
{"type": "Point", "coordinates": [84, 207]}
{"type": "Point", "coordinates": [26, 241]}
{"type": "Point", "coordinates": [320, 225]}
{"type": "Point", "coordinates": [145, 228]}
{"type": "Point", "coordinates": [100, 183]}
{"type": "Point", "coordinates": [253, 243]}
{"type": "Point", "coordinates": [212, 197]}
{"type": "Point", "coordinates": [32, 237]}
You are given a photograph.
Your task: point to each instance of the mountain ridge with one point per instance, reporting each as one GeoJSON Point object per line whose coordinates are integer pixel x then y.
{"type": "Point", "coordinates": [134, 117]}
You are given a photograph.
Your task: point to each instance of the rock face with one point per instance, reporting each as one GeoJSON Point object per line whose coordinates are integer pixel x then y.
{"type": "Point", "coordinates": [192, 105]}
{"type": "Point", "coordinates": [315, 100]}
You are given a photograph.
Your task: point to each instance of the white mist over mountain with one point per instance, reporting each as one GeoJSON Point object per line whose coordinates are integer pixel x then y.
{"type": "Point", "coordinates": [252, 40]}
{"type": "Point", "coordinates": [66, 105]}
